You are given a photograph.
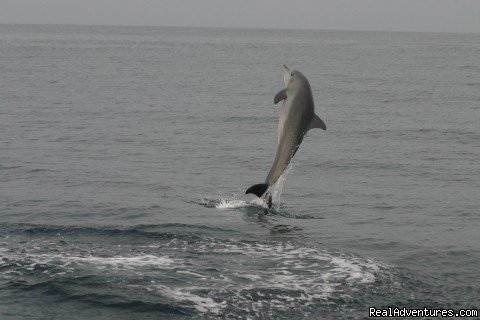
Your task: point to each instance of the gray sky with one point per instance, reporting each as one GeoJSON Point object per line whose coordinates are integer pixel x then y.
{"type": "Point", "coordinates": [392, 15]}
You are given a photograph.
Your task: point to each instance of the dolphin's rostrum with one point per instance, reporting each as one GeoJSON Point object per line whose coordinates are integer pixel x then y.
{"type": "Point", "coordinates": [296, 119]}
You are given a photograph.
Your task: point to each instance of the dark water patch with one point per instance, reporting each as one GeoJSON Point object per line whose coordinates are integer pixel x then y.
{"type": "Point", "coordinates": [160, 232]}
{"type": "Point", "coordinates": [281, 229]}
{"type": "Point", "coordinates": [287, 213]}
{"type": "Point", "coordinates": [440, 135]}
{"type": "Point", "coordinates": [366, 221]}
{"type": "Point", "coordinates": [92, 291]}
{"type": "Point", "coordinates": [27, 203]}
{"type": "Point", "coordinates": [358, 164]}
{"type": "Point", "coordinates": [130, 305]}
{"type": "Point", "coordinates": [158, 187]}
{"type": "Point", "coordinates": [4, 167]}
{"type": "Point", "coordinates": [383, 207]}
{"type": "Point", "coordinates": [240, 118]}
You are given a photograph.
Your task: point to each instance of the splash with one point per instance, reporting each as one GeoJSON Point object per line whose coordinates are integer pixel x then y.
{"type": "Point", "coordinates": [233, 202]}
{"type": "Point", "coordinates": [230, 204]}
{"type": "Point", "coordinates": [223, 202]}
{"type": "Point", "coordinates": [277, 188]}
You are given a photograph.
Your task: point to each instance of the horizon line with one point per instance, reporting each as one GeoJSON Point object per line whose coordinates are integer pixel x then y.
{"type": "Point", "coordinates": [228, 28]}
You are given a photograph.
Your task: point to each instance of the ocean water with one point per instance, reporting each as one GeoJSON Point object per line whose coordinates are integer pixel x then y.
{"type": "Point", "coordinates": [125, 153]}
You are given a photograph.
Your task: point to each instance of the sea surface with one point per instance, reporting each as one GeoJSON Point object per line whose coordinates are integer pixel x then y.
{"type": "Point", "coordinates": [125, 153]}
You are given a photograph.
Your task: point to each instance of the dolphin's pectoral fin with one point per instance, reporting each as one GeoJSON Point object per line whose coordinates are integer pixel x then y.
{"type": "Point", "coordinates": [257, 189]}
{"type": "Point", "coordinates": [281, 95]}
{"type": "Point", "coordinates": [316, 123]}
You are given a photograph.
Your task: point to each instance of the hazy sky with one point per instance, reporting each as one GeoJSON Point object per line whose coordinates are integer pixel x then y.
{"type": "Point", "coordinates": [402, 15]}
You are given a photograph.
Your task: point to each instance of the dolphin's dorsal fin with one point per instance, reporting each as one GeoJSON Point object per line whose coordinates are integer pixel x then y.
{"type": "Point", "coordinates": [316, 123]}
{"type": "Point", "coordinates": [281, 95]}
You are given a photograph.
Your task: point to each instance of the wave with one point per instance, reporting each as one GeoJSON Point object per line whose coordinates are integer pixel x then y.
{"type": "Point", "coordinates": [151, 231]}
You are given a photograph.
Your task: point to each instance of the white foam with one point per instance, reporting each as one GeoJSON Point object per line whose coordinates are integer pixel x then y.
{"type": "Point", "coordinates": [191, 273]}
{"type": "Point", "coordinates": [259, 202]}
{"type": "Point", "coordinates": [201, 304]}
{"type": "Point", "coordinates": [230, 204]}
{"type": "Point", "coordinates": [124, 262]}
{"type": "Point", "coordinates": [311, 273]}
{"type": "Point", "coordinates": [118, 261]}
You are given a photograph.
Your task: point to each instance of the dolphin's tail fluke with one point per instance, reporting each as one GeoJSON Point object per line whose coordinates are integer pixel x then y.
{"type": "Point", "coordinates": [258, 189]}
{"type": "Point", "coordinates": [261, 190]}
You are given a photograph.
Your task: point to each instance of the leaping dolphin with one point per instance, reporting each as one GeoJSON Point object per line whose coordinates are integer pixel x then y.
{"type": "Point", "coordinates": [296, 119]}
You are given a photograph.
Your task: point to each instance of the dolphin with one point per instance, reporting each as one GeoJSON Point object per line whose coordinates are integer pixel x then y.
{"type": "Point", "coordinates": [296, 119]}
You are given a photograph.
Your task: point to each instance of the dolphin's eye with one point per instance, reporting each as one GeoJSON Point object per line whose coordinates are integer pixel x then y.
{"type": "Point", "coordinates": [291, 74]}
